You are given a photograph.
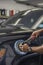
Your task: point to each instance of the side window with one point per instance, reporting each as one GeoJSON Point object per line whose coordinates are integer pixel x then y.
{"type": "Point", "coordinates": [40, 25]}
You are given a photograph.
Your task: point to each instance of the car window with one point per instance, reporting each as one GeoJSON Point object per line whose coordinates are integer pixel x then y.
{"type": "Point", "coordinates": [31, 18]}
{"type": "Point", "coordinates": [40, 25]}
{"type": "Point", "coordinates": [27, 20]}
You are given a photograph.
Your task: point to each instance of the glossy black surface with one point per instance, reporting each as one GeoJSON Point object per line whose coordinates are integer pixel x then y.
{"type": "Point", "coordinates": [11, 57]}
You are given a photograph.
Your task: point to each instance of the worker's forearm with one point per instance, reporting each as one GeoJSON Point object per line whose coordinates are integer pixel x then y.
{"type": "Point", "coordinates": [38, 49]}
{"type": "Point", "coordinates": [41, 30]}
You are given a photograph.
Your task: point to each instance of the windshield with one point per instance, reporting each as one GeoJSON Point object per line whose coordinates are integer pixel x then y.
{"type": "Point", "coordinates": [26, 18]}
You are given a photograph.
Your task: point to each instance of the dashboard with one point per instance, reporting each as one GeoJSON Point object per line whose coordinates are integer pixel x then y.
{"type": "Point", "coordinates": [9, 54]}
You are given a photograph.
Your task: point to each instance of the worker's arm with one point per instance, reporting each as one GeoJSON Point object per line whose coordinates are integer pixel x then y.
{"type": "Point", "coordinates": [26, 48]}
{"type": "Point", "coordinates": [36, 33]}
{"type": "Point", "coordinates": [41, 30]}
{"type": "Point", "coordinates": [38, 49]}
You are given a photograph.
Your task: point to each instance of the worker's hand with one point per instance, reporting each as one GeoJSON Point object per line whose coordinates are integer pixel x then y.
{"type": "Point", "coordinates": [34, 35]}
{"type": "Point", "coordinates": [24, 47]}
